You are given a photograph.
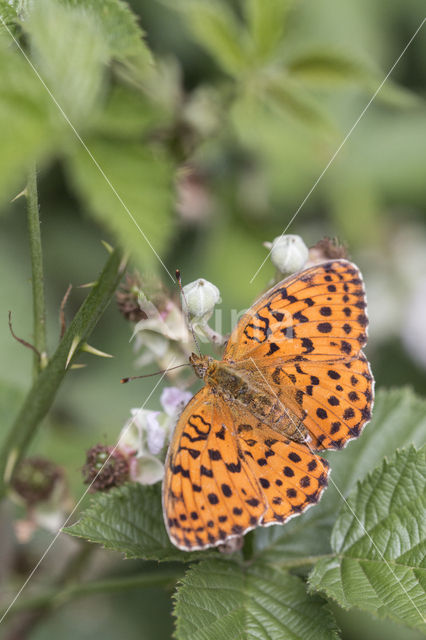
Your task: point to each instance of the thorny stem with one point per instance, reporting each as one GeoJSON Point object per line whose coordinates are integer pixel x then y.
{"type": "Point", "coordinates": [44, 389]}
{"type": "Point", "coordinates": [39, 308]}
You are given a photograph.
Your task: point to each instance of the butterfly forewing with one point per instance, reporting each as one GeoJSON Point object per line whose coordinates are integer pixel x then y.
{"type": "Point", "coordinates": [313, 364]}
{"type": "Point", "coordinates": [318, 314]}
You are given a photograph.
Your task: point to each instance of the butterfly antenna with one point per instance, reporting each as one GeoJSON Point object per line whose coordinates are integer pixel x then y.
{"type": "Point", "coordinates": [186, 311]}
{"type": "Point", "coordinates": [156, 373]}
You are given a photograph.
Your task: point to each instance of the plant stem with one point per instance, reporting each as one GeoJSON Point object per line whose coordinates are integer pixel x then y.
{"type": "Point", "coordinates": [54, 598]}
{"type": "Point", "coordinates": [43, 391]}
{"type": "Point", "coordinates": [248, 547]}
{"type": "Point", "coordinates": [39, 309]}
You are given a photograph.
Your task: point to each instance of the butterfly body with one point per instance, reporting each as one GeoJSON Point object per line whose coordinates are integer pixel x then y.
{"type": "Point", "coordinates": [240, 386]}
{"type": "Point", "coordinates": [293, 380]}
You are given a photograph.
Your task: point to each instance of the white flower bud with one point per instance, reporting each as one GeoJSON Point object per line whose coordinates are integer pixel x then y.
{"type": "Point", "coordinates": [288, 253]}
{"type": "Point", "coordinates": [200, 298]}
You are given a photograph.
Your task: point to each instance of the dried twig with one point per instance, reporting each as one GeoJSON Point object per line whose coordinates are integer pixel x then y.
{"type": "Point", "coordinates": [24, 342]}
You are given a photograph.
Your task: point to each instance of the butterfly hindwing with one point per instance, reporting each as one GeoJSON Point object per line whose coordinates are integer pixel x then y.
{"type": "Point", "coordinates": [245, 475]}
{"type": "Point", "coordinates": [209, 492]}
{"type": "Point", "coordinates": [291, 477]}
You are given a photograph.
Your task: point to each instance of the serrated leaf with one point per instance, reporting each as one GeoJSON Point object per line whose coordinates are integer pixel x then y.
{"type": "Point", "coordinates": [325, 66]}
{"type": "Point", "coordinates": [25, 127]}
{"type": "Point", "coordinates": [266, 22]}
{"type": "Point", "coordinates": [127, 114]}
{"type": "Point", "coordinates": [217, 29]}
{"type": "Point", "coordinates": [8, 17]}
{"type": "Point", "coordinates": [380, 545]}
{"type": "Point", "coordinates": [129, 519]}
{"type": "Point", "coordinates": [129, 190]}
{"type": "Point", "coordinates": [395, 95]}
{"type": "Point", "coordinates": [219, 599]}
{"type": "Point", "coordinates": [281, 91]}
{"type": "Point", "coordinates": [122, 33]}
{"type": "Point", "coordinates": [74, 80]}
{"type": "Point", "coordinates": [399, 419]}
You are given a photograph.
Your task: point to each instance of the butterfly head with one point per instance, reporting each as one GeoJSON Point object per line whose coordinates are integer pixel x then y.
{"type": "Point", "coordinates": [201, 364]}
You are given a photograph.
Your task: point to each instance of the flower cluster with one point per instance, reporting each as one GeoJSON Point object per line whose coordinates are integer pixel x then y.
{"type": "Point", "coordinates": [141, 449]}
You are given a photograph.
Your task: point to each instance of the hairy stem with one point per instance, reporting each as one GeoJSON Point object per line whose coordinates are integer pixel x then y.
{"type": "Point", "coordinates": [45, 387]}
{"type": "Point", "coordinates": [39, 309]}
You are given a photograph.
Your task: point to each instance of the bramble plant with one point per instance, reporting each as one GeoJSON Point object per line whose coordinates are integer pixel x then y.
{"type": "Point", "coordinates": [138, 147]}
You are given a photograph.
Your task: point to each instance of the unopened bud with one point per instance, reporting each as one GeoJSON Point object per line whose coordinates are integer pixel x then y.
{"type": "Point", "coordinates": [200, 298]}
{"type": "Point", "coordinates": [288, 253]}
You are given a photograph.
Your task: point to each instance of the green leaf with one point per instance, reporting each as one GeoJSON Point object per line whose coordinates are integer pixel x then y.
{"type": "Point", "coordinates": [128, 114]}
{"type": "Point", "coordinates": [325, 66]}
{"type": "Point", "coordinates": [379, 544]}
{"type": "Point", "coordinates": [128, 188]}
{"type": "Point", "coordinates": [399, 419]}
{"type": "Point", "coordinates": [219, 599]}
{"type": "Point", "coordinates": [395, 95]}
{"type": "Point", "coordinates": [25, 127]}
{"type": "Point", "coordinates": [286, 94]}
{"type": "Point", "coordinates": [74, 80]}
{"type": "Point", "coordinates": [266, 22]}
{"type": "Point", "coordinates": [121, 31]}
{"type": "Point", "coordinates": [9, 17]}
{"type": "Point", "coordinates": [217, 29]}
{"type": "Point", "coordinates": [130, 519]}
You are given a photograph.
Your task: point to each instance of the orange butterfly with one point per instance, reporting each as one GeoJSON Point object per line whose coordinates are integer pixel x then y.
{"type": "Point", "coordinates": [293, 379]}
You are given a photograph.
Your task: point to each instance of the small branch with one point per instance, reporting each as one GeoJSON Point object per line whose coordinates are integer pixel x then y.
{"type": "Point", "coordinates": [24, 342]}
{"type": "Point", "coordinates": [54, 598]}
{"type": "Point", "coordinates": [45, 387]}
{"type": "Point", "coordinates": [248, 547]}
{"type": "Point", "coordinates": [39, 309]}
{"type": "Point", "coordinates": [62, 311]}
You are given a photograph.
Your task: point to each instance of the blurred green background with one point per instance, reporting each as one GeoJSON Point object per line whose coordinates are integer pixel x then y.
{"type": "Point", "coordinates": [248, 167]}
